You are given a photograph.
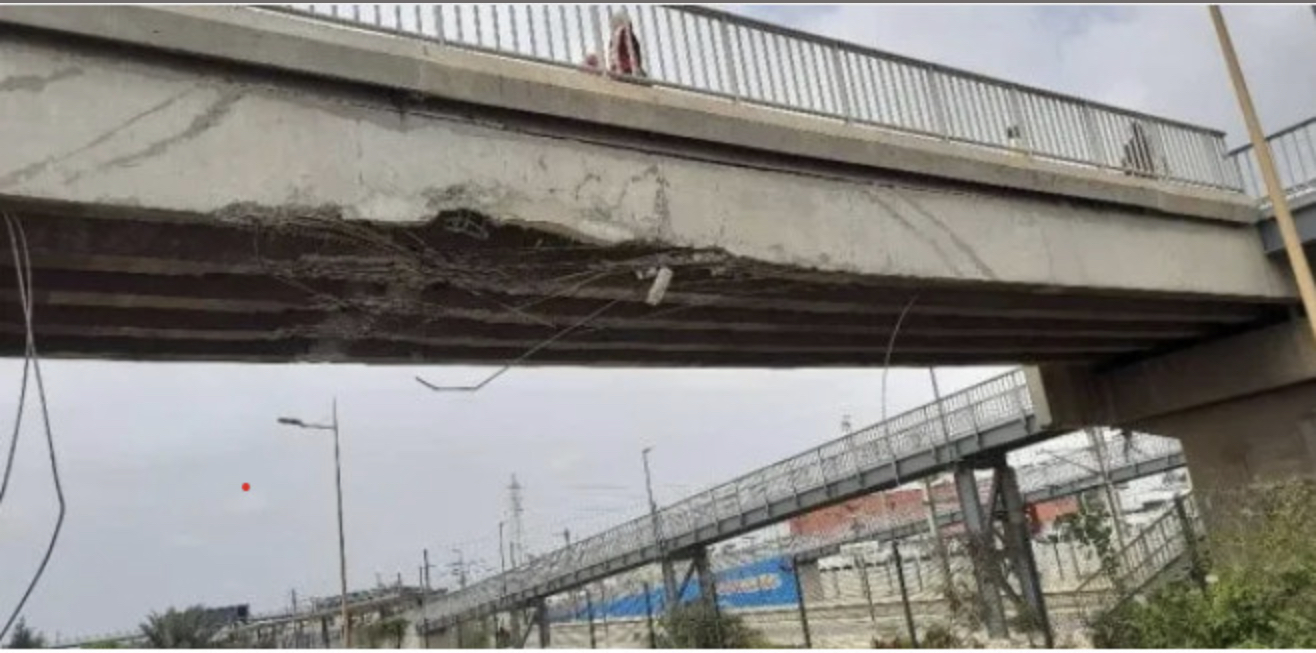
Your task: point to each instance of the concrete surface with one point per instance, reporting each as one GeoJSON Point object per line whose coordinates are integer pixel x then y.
{"type": "Point", "coordinates": [297, 44]}
{"type": "Point", "coordinates": [1244, 407]}
{"type": "Point", "coordinates": [200, 212]}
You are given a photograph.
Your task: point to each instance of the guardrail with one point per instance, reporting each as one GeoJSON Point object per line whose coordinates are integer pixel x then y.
{"type": "Point", "coordinates": [744, 60]}
{"type": "Point", "coordinates": [1159, 545]}
{"type": "Point", "coordinates": [1040, 482]}
{"type": "Point", "coordinates": [998, 401]}
{"type": "Point", "coordinates": [1294, 150]}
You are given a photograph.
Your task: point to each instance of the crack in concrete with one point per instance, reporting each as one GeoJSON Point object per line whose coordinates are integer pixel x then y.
{"type": "Point", "coordinates": [29, 171]}
{"type": "Point", "coordinates": [37, 83]}
{"type": "Point", "coordinates": [942, 254]}
{"type": "Point", "coordinates": [208, 119]}
{"type": "Point", "coordinates": [958, 242]}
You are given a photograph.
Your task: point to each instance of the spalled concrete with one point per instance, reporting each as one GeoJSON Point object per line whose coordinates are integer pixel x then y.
{"type": "Point", "coordinates": [233, 143]}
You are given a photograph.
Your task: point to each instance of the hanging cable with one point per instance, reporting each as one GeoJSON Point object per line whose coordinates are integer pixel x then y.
{"type": "Point", "coordinates": [23, 273]}
{"type": "Point", "coordinates": [529, 352]}
{"type": "Point", "coordinates": [24, 291]}
{"type": "Point", "coordinates": [891, 346]}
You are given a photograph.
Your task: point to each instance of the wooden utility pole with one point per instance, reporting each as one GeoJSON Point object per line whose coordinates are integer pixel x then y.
{"type": "Point", "coordinates": [1274, 189]}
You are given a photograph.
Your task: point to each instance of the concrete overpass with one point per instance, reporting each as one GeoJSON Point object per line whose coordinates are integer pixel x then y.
{"type": "Point", "coordinates": [243, 184]}
{"type": "Point", "coordinates": [254, 185]}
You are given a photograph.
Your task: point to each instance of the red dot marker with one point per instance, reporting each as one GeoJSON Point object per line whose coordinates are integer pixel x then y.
{"type": "Point", "coordinates": [246, 486]}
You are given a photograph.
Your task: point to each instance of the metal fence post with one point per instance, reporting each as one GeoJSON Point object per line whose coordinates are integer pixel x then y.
{"type": "Point", "coordinates": [648, 615]}
{"type": "Point", "coordinates": [904, 593]}
{"type": "Point", "coordinates": [799, 598]}
{"type": "Point", "coordinates": [1197, 570]}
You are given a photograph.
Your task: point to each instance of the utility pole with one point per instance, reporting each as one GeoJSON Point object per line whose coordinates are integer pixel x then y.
{"type": "Point", "coordinates": [1274, 189]}
{"type": "Point", "coordinates": [1098, 443]}
{"type": "Point", "coordinates": [516, 538]}
{"type": "Point", "coordinates": [669, 574]}
{"type": "Point", "coordinates": [502, 549]}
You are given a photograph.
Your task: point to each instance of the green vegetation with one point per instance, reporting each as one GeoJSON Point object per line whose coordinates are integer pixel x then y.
{"type": "Point", "coordinates": [386, 633]}
{"type": "Point", "coordinates": [24, 637]}
{"type": "Point", "coordinates": [699, 624]}
{"type": "Point", "coordinates": [474, 635]}
{"type": "Point", "coordinates": [190, 628]}
{"type": "Point", "coordinates": [1093, 527]}
{"type": "Point", "coordinates": [1261, 587]}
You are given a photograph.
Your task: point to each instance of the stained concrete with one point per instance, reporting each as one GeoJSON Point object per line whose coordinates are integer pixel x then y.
{"type": "Point", "coordinates": [154, 152]}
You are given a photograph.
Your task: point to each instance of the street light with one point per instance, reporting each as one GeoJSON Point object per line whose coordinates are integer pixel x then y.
{"type": "Point", "coordinates": [669, 574]}
{"type": "Point", "coordinates": [338, 483]}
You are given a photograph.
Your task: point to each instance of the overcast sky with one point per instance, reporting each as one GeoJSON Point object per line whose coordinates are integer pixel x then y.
{"type": "Point", "coordinates": [153, 456]}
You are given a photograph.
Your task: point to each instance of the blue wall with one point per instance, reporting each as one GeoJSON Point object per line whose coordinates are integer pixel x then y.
{"type": "Point", "coordinates": [765, 583]}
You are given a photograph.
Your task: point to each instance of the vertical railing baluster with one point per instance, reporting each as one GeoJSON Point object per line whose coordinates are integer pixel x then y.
{"type": "Point", "coordinates": [843, 99]}
{"type": "Point", "coordinates": [931, 80]}
{"type": "Point", "coordinates": [689, 54]}
{"type": "Point", "coordinates": [729, 59]}
{"type": "Point", "coordinates": [1098, 153]}
{"type": "Point", "coordinates": [597, 34]}
{"type": "Point", "coordinates": [582, 33]}
{"type": "Point", "coordinates": [438, 22]}
{"type": "Point", "coordinates": [655, 65]}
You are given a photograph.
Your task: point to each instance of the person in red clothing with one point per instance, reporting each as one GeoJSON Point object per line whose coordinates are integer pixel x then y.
{"type": "Point", "coordinates": [624, 56]}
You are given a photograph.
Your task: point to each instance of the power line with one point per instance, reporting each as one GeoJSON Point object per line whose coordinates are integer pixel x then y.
{"type": "Point", "coordinates": [23, 273]}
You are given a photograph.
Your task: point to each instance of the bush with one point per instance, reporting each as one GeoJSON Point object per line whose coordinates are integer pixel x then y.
{"type": "Point", "coordinates": [939, 636]}
{"type": "Point", "coordinates": [1261, 591]}
{"type": "Point", "coordinates": [24, 637]}
{"type": "Point", "coordinates": [700, 625]}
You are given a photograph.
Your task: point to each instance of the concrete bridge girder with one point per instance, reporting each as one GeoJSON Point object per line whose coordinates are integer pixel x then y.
{"type": "Point", "coordinates": [187, 165]}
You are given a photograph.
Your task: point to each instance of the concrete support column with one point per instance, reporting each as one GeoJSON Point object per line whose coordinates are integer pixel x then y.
{"type": "Point", "coordinates": [707, 581]}
{"type": "Point", "coordinates": [541, 620]}
{"type": "Point", "coordinates": [1244, 406]}
{"type": "Point", "coordinates": [707, 587]}
{"type": "Point", "coordinates": [1018, 541]}
{"type": "Point", "coordinates": [982, 551]}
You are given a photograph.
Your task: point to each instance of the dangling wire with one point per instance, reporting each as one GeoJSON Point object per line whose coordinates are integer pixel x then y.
{"type": "Point", "coordinates": [519, 359]}
{"type": "Point", "coordinates": [23, 273]}
{"type": "Point", "coordinates": [24, 292]}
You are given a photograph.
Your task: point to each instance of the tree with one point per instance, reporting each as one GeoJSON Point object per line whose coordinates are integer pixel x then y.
{"type": "Point", "coordinates": [194, 627]}
{"type": "Point", "coordinates": [25, 637]}
{"type": "Point", "coordinates": [1093, 527]}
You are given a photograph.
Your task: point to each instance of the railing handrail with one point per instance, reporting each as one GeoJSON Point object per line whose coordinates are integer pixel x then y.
{"type": "Point", "coordinates": [590, 543]}
{"type": "Point", "coordinates": [1247, 147]}
{"type": "Point", "coordinates": [950, 70]}
{"type": "Point", "coordinates": [746, 60]}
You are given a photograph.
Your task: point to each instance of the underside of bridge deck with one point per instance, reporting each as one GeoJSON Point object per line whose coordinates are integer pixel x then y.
{"type": "Point", "coordinates": [308, 286]}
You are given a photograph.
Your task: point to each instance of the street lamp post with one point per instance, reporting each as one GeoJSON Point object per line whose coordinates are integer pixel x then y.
{"type": "Point", "coordinates": [338, 484]}
{"type": "Point", "coordinates": [669, 574]}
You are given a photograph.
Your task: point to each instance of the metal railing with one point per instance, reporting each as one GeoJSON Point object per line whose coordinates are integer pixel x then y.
{"type": "Point", "coordinates": [744, 60]}
{"type": "Point", "coordinates": [1294, 150]}
{"type": "Point", "coordinates": [1036, 482]}
{"type": "Point", "coordinates": [993, 403]}
{"type": "Point", "coordinates": [1159, 545]}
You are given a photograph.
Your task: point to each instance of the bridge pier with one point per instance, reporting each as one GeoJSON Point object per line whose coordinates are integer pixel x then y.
{"type": "Point", "coordinates": [1019, 549]}
{"type": "Point", "coordinates": [982, 550]}
{"type": "Point", "coordinates": [1244, 407]}
{"type": "Point", "coordinates": [541, 622]}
